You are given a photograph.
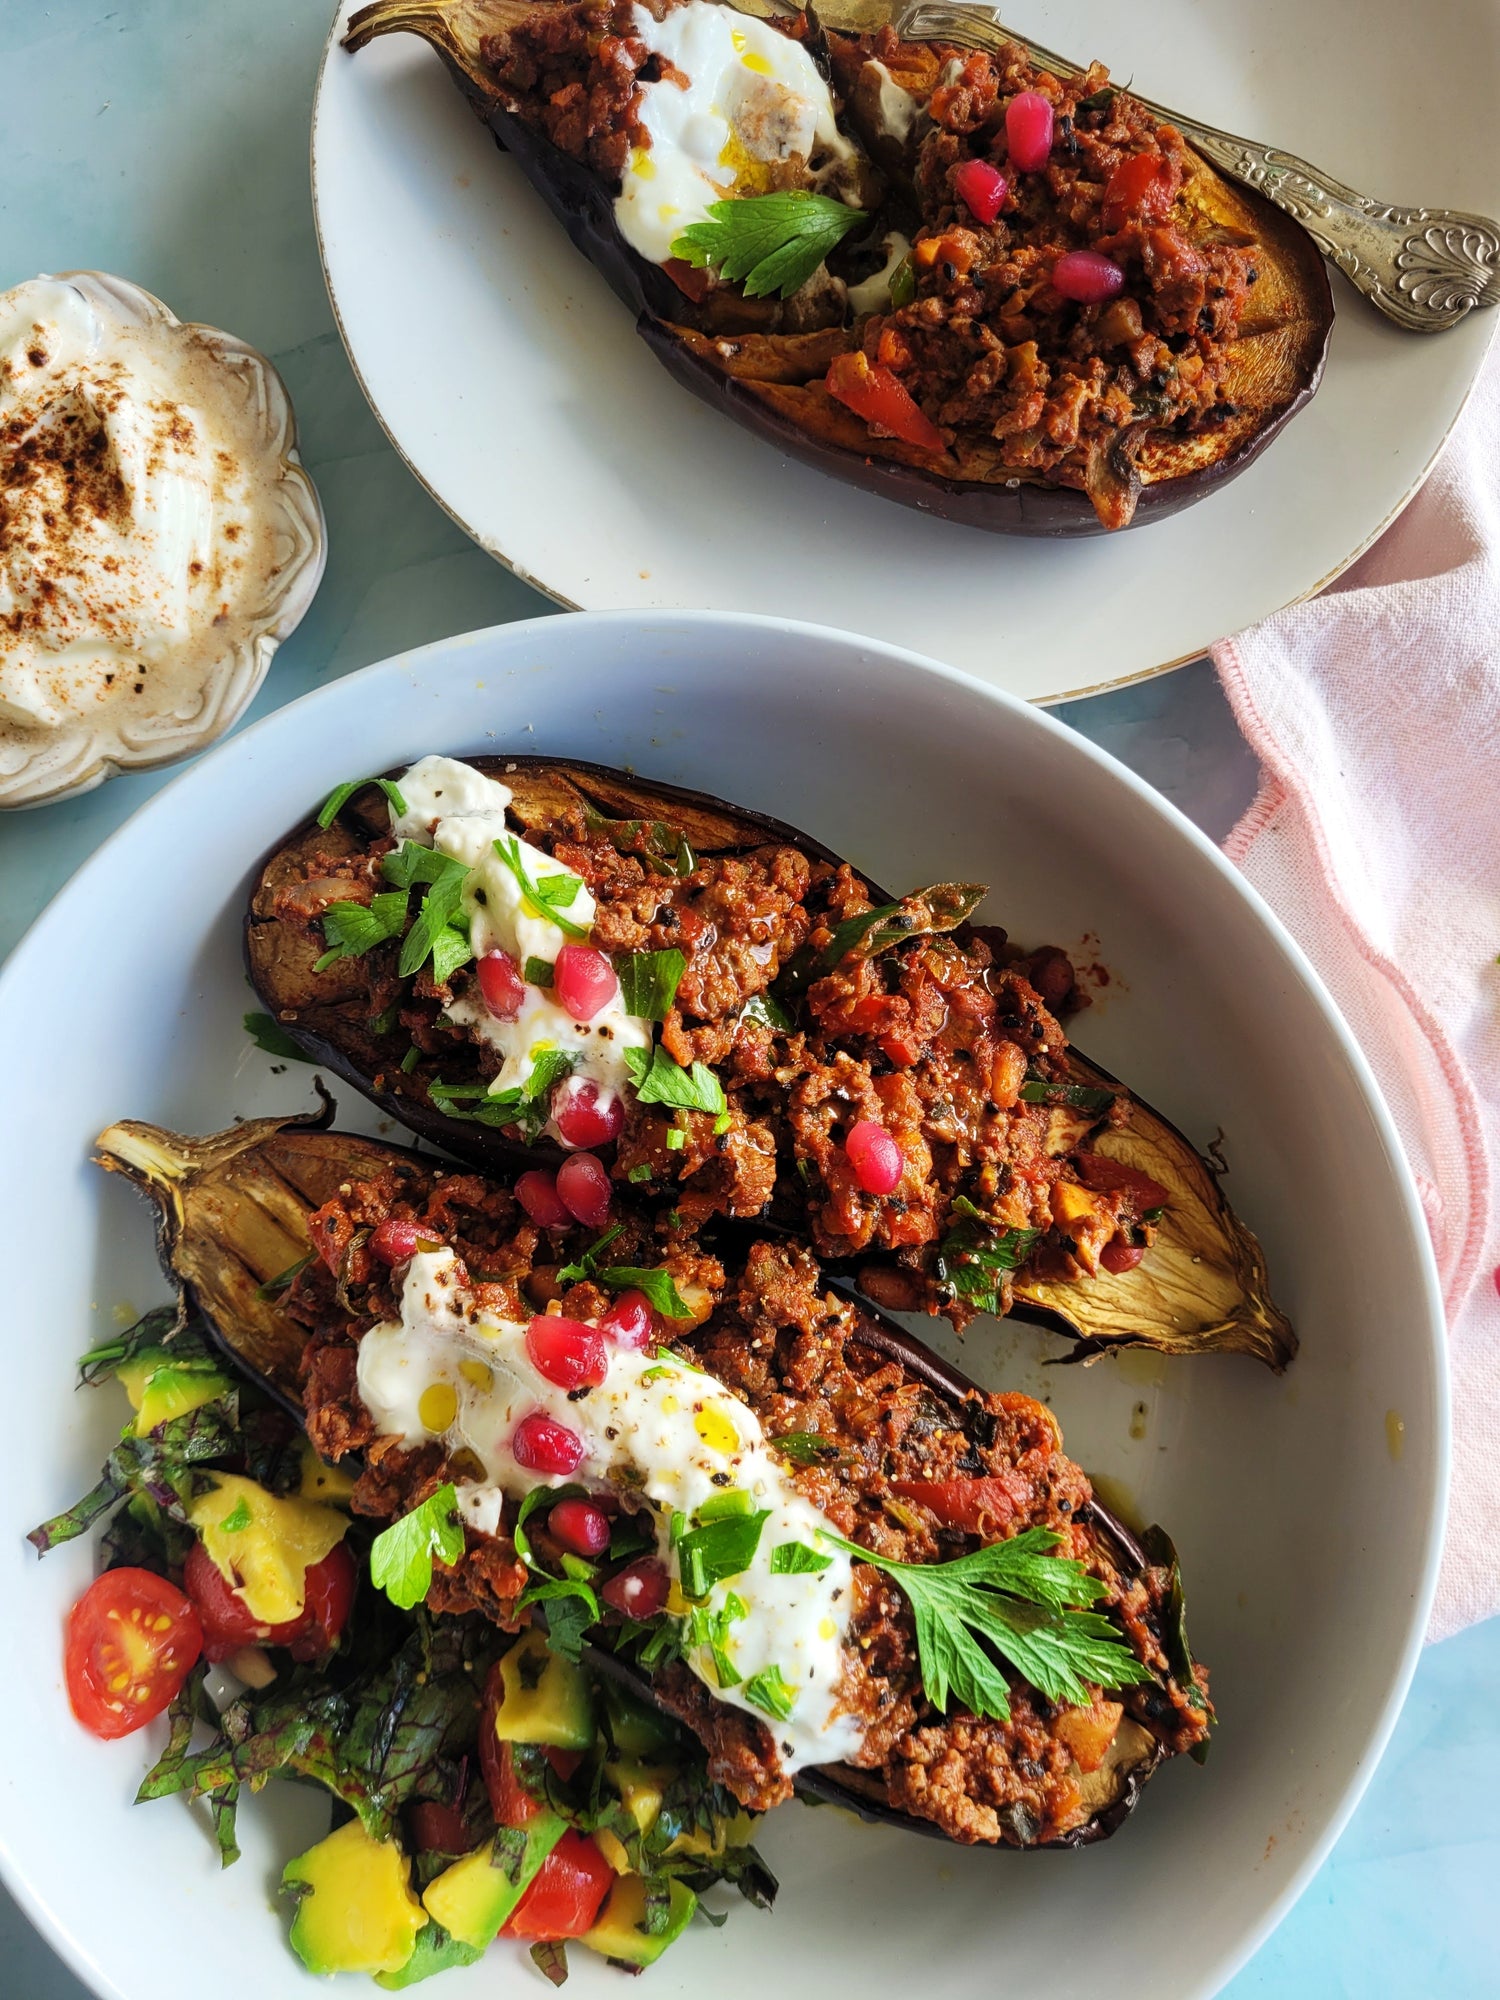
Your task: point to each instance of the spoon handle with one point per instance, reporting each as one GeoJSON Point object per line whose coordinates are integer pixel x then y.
{"type": "Point", "coordinates": [1424, 268]}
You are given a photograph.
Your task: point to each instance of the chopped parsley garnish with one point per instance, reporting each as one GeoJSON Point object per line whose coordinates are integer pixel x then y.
{"type": "Point", "coordinates": [771, 1692]}
{"type": "Point", "coordinates": [401, 1555]}
{"type": "Point", "coordinates": [352, 929]}
{"type": "Point", "coordinates": [903, 284]}
{"type": "Point", "coordinates": [571, 1608]}
{"type": "Point", "coordinates": [718, 1550]}
{"type": "Point", "coordinates": [267, 1033]}
{"type": "Point", "coordinates": [440, 932]}
{"type": "Point", "coordinates": [797, 1559]}
{"type": "Point", "coordinates": [659, 1080]}
{"type": "Point", "coordinates": [340, 796]}
{"type": "Point", "coordinates": [770, 242]}
{"type": "Point", "coordinates": [539, 971]}
{"type": "Point", "coordinates": [657, 1284]}
{"type": "Point", "coordinates": [236, 1520]}
{"type": "Point", "coordinates": [977, 1254]}
{"type": "Point", "coordinates": [711, 1629]}
{"type": "Point", "coordinates": [549, 894]}
{"type": "Point", "coordinates": [1016, 1600]}
{"type": "Point", "coordinates": [526, 1105]}
{"type": "Point", "coordinates": [649, 981]}
{"type": "Point", "coordinates": [385, 1021]}
{"type": "Point", "coordinates": [640, 1173]}
{"type": "Point", "coordinates": [587, 1265]}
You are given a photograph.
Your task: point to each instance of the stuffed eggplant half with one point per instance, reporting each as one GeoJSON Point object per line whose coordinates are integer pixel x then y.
{"type": "Point", "coordinates": [539, 962]}
{"type": "Point", "coordinates": [843, 1567]}
{"type": "Point", "coordinates": [1010, 298]}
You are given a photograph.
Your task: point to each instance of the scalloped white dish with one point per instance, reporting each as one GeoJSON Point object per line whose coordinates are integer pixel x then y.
{"type": "Point", "coordinates": [1309, 1552]}
{"type": "Point", "coordinates": [164, 535]}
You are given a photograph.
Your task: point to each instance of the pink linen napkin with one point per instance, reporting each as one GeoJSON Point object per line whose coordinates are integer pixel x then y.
{"type": "Point", "coordinates": [1375, 713]}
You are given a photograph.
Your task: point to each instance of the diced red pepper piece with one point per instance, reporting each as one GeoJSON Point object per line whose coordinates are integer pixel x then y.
{"type": "Point", "coordinates": [1142, 188]}
{"type": "Point", "coordinates": [883, 401]}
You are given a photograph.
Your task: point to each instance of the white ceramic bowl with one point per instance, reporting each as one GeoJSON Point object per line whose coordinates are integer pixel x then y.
{"type": "Point", "coordinates": [82, 752]}
{"type": "Point", "coordinates": [1309, 1550]}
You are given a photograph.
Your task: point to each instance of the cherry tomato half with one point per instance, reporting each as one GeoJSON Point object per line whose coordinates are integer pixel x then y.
{"type": "Point", "coordinates": [566, 1894]}
{"type": "Point", "coordinates": [133, 1638]}
{"type": "Point", "coordinates": [229, 1624]}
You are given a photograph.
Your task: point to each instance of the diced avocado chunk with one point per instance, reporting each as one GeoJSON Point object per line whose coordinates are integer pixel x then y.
{"type": "Point", "coordinates": [434, 1952]}
{"type": "Point", "coordinates": [473, 1896]}
{"type": "Point", "coordinates": [264, 1545]}
{"type": "Point", "coordinates": [640, 1787]}
{"type": "Point", "coordinates": [737, 1831]}
{"type": "Point", "coordinates": [161, 1387]}
{"type": "Point", "coordinates": [319, 1481]}
{"type": "Point", "coordinates": [638, 1729]}
{"type": "Point", "coordinates": [547, 1699]}
{"type": "Point", "coordinates": [357, 1912]}
{"type": "Point", "coordinates": [619, 1933]}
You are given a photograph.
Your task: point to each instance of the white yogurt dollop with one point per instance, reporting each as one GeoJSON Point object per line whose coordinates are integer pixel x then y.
{"type": "Point", "coordinates": [657, 1427]}
{"type": "Point", "coordinates": [743, 99]}
{"type": "Point", "coordinates": [140, 524]}
{"type": "Point", "coordinates": [453, 807]}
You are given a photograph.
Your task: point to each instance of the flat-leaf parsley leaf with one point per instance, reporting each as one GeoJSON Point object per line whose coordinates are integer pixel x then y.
{"type": "Point", "coordinates": [401, 1555]}
{"type": "Point", "coordinates": [771, 242]}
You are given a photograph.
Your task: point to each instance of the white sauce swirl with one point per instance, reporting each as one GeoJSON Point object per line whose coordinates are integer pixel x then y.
{"type": "Point", "coordinates": [453, 807]}
{"type": "Point", "coordinates": [751, 100]}
{"type": "Point", "coordinates": [660, 1428]}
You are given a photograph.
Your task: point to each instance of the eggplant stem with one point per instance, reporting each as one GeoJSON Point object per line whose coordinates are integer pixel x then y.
{"type": "Point", "coordinates": [455, 28]}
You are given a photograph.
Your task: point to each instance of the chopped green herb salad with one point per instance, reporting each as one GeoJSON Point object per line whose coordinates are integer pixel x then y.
{"type": "Point", "coordinates": [480, 1783]}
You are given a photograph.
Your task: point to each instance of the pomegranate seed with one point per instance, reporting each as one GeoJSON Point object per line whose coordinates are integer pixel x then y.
{"type": "Point", "coordinates": [584, 981]}
{"type": "Point", "coordinates": [639, 1590]}
{"type": "Point", "coordinates": [582, 1116]}
{"type": "Point", "coordinates": [1086, 277]}
{"type": "Point", "coordinates": [1028, 131]}
{"type": "Point", "coordinates": [1497, 1277]}
{"type": "Point", "coordinates": [630, 1321]}
{"type": "Point", "coordinates": [536, 1191]}
{"type": "Point", "coordinates": [540, 1444]}
{"type": "Point", "coordinates": [875, 1157]}
{"type": "Point", "coordinates": [580, 1526]}
{"type": "Point", "coordinates": [501, 984]}
{"type": "Point", "coordinates": [583, 1189]}
{"type": "Point", "coordinates": [394, 1241]}
{"type": "Point", "coordinates": [566, 1351]}
{"type": "Point", "coordinates": [981, 188]}
{"type": "Point", "coordinates": [1119, 1257]}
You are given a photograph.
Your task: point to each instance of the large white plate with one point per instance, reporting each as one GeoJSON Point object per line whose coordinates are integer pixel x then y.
{"type": "Point", "coordinates": [510, 379]}
{"type": "Point", "coordinates": [1309, 1551]}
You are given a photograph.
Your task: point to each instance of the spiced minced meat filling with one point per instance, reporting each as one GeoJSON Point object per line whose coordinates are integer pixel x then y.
{"type": "Point", "coordinates": [772, 1333]}
{"type": "Point", "coordinates": [1010, 371]}
{"type": "Point", "coordinates": [935, 1040]}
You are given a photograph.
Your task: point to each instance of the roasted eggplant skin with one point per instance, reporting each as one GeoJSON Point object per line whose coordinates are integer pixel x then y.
{"type": "Point", "coordinates": [755, 380]}
{"type": "Point", "coordinates": [211, 1197]}
{"type": "Point", "coordinates": [1207, 1291]}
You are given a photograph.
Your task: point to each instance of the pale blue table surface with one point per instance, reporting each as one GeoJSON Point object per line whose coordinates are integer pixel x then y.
{"type": "Point", "coordinates": [167, 141]}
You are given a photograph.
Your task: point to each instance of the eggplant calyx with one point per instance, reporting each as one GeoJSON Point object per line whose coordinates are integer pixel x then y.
{"type": "Point", "coordinates": [455, 28]}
